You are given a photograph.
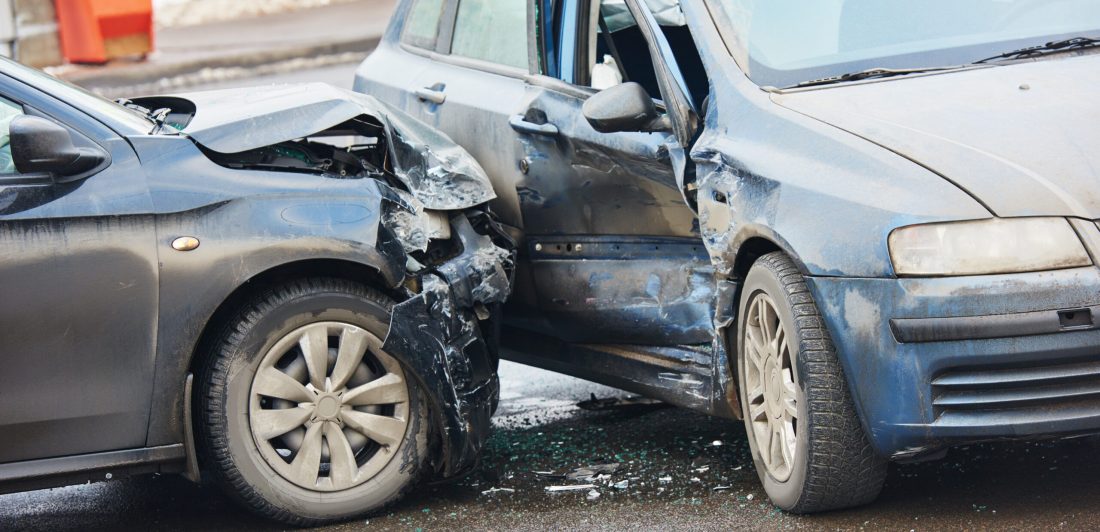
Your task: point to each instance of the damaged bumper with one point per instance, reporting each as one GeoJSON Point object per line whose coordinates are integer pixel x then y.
{"type": "Point", "coordinates": [439, 333]}
{"type": "Point", "coordinates": [940, 362]}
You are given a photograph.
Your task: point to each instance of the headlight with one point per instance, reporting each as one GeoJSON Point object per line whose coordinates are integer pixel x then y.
{"type": "Point", "coordinates": [998, 245]}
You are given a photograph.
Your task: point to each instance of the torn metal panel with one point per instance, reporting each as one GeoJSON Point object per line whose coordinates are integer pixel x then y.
{"type": "Point", "coordinates": [426, 162]}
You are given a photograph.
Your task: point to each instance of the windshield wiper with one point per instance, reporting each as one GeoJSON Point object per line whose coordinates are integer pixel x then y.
{"type": "Point", "coordinates": [158, 116]}
{"type": "Point", "coordinates": [1075, 43]}
{"type": "Point", "coordinates": [873, 73]}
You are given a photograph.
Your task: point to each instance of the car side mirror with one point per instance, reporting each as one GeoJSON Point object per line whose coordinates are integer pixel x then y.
{"type": "Point", "coordinates": [624, 107]}
{"type": "Point", "coordinates": [39, 146]}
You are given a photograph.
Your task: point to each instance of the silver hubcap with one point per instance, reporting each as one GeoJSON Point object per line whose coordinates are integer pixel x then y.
{"type": "Point", "coordinates": [773, 393]}
{"type": "Point", "coordinates": [328, 407]}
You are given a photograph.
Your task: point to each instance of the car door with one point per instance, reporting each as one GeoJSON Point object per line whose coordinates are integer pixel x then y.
{"type": "Point", "coordinates": [615, 252]}
{"type": "Point", "coordinates": [462, 68]}
{"type": "Point", "coordinates": [391, 72]}
{"type": "Point", "coordinates": [78, 279]}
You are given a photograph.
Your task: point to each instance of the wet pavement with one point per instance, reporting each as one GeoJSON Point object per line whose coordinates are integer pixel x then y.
{"type": "Point", "coordinates": [682, 471]}
{"type": "Point", "coordinates": [673, 462]}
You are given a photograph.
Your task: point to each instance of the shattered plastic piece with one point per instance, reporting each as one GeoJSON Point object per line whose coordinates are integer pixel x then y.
{"type": "Point", "coordinates": [749, 496]}
{"type": "Point", "coordinates": [593, 495]}
{"type": "Point", "coordinates": [549, 474]}
{"type": "Point", "coordinates": [665, 479]}
{"type": "Point", "coordinates": [721, 488]}
{"type": "Point", "coordinates": [571, 487]}
{"type": "Point", "coordinates": [596, 404]}
{"type": "Point", "coordinates": [621, 485]}
{"type": "Point", "coordinates": [590, 473]}
{"type": "Point", "coordinates": [696, 479]}
{"type": "Point", "coordinates": [493, 491]}
{"type": "Point", "coordinates": [716, 443]}
{"type": "Point", "coordinates": [702, 469]}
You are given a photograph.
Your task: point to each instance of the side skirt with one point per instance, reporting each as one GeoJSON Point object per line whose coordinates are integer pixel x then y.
{"type": "Point", "coordinates": [681, 376]}
{"type": "Point", "coordinates": [80, 469]}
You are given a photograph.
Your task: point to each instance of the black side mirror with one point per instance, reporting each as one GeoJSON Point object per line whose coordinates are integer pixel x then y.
{"type": "Point", "coordinates": [625, 107]}
{"type": "Point", "coordinates": [39, 146]}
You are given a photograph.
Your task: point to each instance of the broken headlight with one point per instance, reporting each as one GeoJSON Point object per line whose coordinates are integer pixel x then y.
{"type": "Point", "coordinates": [981, 247]}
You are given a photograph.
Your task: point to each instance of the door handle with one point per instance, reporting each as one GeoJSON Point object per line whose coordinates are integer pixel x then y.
{"type": "Point", "coordinates": [428, 94]}
{"type": "Point", "coordinates": [520, 124]}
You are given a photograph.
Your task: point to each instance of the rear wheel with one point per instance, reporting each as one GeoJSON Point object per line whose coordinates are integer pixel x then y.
{"type": "Point", "coordinates": [304, 418]}
{"type": "Point", "coordinates": [807, 442]}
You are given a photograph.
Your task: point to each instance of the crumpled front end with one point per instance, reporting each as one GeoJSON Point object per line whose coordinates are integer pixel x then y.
{"type": "Point", "coordinates": [446, 259]}
{"type": "Point", "coordinates": [441, 330]}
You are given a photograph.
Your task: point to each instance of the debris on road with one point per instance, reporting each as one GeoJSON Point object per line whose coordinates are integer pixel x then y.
{"type": "Point", "coordinates": [494, 491]}
{"type": "Point", "coordinates": [571, 487]}
{"type": "Point", "coordinates": [591, 472]}
{"type": "Point", "coordinates": [621, 485]}
{"type": "Point", "coordinates": [593, 495]}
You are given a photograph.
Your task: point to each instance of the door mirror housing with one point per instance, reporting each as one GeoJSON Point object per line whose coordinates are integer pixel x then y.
{"type": "Point", "coordinates": [40, 146]}
{"type": "Point", "coordinates": [624, 107]}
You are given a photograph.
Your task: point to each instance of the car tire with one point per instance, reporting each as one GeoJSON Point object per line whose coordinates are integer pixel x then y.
{"type": "Point", "coordinates": [326, 468]}
{"type": "Point", "coordinates": [807, 443]}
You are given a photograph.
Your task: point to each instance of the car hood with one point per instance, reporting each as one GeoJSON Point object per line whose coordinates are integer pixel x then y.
{"type": "Point", "coordinates": [438, 172]}
{"type": "Point", "coordinates": [1023, 139]}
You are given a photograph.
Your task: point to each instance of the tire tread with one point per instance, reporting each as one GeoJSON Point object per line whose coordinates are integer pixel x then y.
{"type": "Point", "coordinates": [843, 469]}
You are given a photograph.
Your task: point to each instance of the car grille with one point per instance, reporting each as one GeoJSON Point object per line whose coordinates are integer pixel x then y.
{"type": "Point", "coordinates": [1041, 390]}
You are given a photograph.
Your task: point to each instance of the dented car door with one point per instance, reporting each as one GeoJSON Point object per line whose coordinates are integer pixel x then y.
{"type": "Point", "coordinates": [614, 251]}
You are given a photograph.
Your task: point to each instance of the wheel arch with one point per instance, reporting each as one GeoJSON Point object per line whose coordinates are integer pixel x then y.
{"type": "Point", "coordinates": [752, 243]}
{"type": "Point", "coordinates": [280, 274]}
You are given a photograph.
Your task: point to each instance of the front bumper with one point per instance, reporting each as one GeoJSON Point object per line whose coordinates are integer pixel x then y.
{"type": "Point", "coordinates": [938, 362]}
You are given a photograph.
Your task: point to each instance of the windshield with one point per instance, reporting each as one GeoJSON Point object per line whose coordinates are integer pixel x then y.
{"type": "Point", "coordinates": [94, 105]}
{"type": "Point", "coordinates": [784, 42]}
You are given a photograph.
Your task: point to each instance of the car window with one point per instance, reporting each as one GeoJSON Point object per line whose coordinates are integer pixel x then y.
{"type": "Point", "coordinates": [492, 30]}
{"type": "Point", "coordinates": [422, 24]}
{"type": "Point", "coordinates": [8, 111]}
{"type": "Point", "coordinates": [621, 53]}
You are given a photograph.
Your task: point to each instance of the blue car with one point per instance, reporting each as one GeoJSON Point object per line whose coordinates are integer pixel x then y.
{"type": "Point", "coordinates": [866, 228]}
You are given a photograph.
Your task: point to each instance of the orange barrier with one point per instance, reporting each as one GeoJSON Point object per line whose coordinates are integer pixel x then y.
{"type": "Point", "coordinates": [96, 31]}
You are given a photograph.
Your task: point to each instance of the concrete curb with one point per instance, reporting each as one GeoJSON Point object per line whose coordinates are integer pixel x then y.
{"type": "Point", "coordinates": [146, 73]}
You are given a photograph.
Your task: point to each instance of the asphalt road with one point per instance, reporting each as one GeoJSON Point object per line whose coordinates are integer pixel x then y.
{"type": "Point", "coordinates": [682, 471]}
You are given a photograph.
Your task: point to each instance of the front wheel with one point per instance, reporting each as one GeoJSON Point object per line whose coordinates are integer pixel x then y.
{"type": "Point", "coordinates": [807, 442]}
{"type": "Point", "coordinates": [304, 418]}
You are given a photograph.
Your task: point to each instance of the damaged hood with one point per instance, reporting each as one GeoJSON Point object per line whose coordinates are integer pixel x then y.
{"type": "Point", "coordinates": [1023, 139]}
{"type": "Point", "coordinates": [438, 172]}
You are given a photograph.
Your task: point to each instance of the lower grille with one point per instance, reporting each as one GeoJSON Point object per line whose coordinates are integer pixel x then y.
{"type": "Point", "coordinates": [1026, 389]}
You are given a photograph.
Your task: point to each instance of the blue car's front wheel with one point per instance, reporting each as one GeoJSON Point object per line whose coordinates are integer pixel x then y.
{"type": "Point", "coordinates": [807, 443]}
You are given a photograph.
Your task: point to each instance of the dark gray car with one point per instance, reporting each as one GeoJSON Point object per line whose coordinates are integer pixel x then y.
{"type": "Point", "coordinates": [865, 227]}
{"type": "Point", "coordinates": [289, 291]}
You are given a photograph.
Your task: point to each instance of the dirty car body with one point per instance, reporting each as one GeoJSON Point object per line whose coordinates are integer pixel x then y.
{"type": "Point", "coordinates": [264, 186]}
{"type": "Point", "coordinates": [881, 161]}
